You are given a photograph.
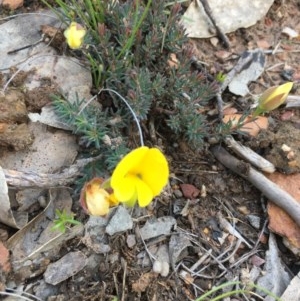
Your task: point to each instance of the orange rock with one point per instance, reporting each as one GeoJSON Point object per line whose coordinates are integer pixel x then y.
{"type": "Point", "coordinates": [250, 126]}
{"type": "Point", "coordinates": [229, 111]}
{"type": "Point", "coordinates": [279, 221]}
{"type": "Point", "coordinates": [13, 4]}
{"type": "Point", "coordinates": [263, 44]}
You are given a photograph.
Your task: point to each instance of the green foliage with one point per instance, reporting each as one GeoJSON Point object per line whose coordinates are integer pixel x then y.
{"type": "Point", "coordinates": [220, 77]}
{"type": "Point", "coordinates": [226, 291]}
{"type": "Point", "coordinates": [130, 46]}
{"type": "Point", "coordinates": [98, 130]}
{"type": "Point", "coordinates": [234, 126]}
{"type": "Point", "coordinates": [63, 220]}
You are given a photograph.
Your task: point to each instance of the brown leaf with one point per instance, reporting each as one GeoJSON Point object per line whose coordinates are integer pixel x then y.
{"type": "Point", "coordinates": [190, 191]}
{"type": "Point", "coordinates": [257, 261]}
{"type": "Point", "coordinates": [280, 222]}
{"type": "Point", "coordinates": [4, 259]}
{"type": "Point", "coordinates": [143, 282]}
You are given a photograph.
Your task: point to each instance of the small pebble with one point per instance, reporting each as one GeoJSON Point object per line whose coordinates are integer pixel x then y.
{"type": "Point", "coordinates": [254, 221]}
{"type": "Point", "coordinates": [243, 209]}
{"type": "Point", "coordinates": [214, 168]}
{"type": "Point", "coordinates": [131, 241]}
{"type": "Point", "coordinates": [177, 193]}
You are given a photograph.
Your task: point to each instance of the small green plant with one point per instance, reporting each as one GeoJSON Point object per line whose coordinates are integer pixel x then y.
{"type": "Point", "coordinates": [234, 125]}
{"type": "Point", "coordinates": [212, 295]}
{"type": "Point", "coordinates": [63, 220]}
{"type": "Point", "coordinates": [130, 46]}
{"type": "Point", "coordinates": [220, 77]}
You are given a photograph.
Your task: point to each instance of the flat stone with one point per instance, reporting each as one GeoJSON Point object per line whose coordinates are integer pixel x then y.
{"type": "Point", "coordinates": [178, 243]}
{"type": "Point", "coordinates": [157, 226]}
{"type": "Point", "coordinates": [22, 31]}
{"type": "Point", "coordinates": [44, 290]}
{"type": "Point", "coordinates": [292, 293]}
{"type": "Point", "coordinates": [120, 221]}
{"type": "Point", "coordinates": [251, 72]}
{"type": "Point", "coordinates": [67, 75]}
{"type": "Point", "coordinates": [95, 237]}
{"type": "Point", "coordinates": [229, 15]}
{"type": "Point", "coordinates": [64, 268]}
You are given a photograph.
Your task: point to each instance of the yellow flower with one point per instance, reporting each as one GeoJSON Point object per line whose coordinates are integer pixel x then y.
{"type": "Point", "coordinates": [74, 35]}
{"type": "Point", "coordinates": [95, 199]}
{"type": "Point", "coordinates": [140, 176]}
{"type": "Point", "coordinates": [272, 98]}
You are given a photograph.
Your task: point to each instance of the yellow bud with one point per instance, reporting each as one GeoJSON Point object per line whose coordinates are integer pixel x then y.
{"type": "Point", "coordinates": [272, 98]}
{"type": "Point", "coordinates": [74, 35]}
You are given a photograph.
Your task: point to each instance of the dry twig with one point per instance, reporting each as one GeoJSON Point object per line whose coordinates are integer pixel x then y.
{"type": "Point", "coordinates": [249, 155]}
{"type": "Point", "coordinates": [209, 13]}
{"type": "Point", "coordinates": [31, 179]}
{"type": "Point", "coordinates": [274, 193]}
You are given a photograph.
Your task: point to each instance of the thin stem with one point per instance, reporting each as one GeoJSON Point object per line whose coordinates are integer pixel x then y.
{"type": "Point", "coordinates": [20, 296]}
{"type": "Point", "coordinates": [131, 110]}
{"type": "Point", "coordinates": [128, 106]}
{"type": "Point", "coordinates": [135, 29]}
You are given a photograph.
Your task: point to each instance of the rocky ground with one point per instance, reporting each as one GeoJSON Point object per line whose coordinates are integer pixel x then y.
{"type": "Point", "coordinates": [210, 225]}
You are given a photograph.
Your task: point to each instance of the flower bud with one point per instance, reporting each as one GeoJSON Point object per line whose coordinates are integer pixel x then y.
{"type": "Point", "coordinates": [272, 98]}
{"type": "Point", "coordinates": [95, 199]}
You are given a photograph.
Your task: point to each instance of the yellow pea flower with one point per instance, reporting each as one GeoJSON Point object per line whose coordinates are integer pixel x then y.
{"type": "Point", "coordinates": [95, 199]}
{"type": "Point", "coordinates": [272, 98]}
{"type": "Point", "coordinates": [140, 176]}
{"type": "Point", "coordinates": [74, 35]}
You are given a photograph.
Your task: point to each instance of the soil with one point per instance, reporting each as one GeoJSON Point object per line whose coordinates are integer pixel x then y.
{"type": "Point", "coordinates": [213, 189]}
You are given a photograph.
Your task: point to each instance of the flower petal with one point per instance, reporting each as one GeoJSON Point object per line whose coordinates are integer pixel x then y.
{"type": "Point", "coordinates": [129, 164]}
{"type": "Point", "coordinates": [126, 189]}
{"type": "Point", "coordinates": [144, 193]}
{"type": "Point", "coordinates": [274, 96]}
{"type": "Point", "coordinates": [141, 175]}
{"type": "Point", "coordinates": [154, 170]}
{"type": "Point", "coordinates": [97, 199]}
{"type": "Point", "coordinates": [74, 35]}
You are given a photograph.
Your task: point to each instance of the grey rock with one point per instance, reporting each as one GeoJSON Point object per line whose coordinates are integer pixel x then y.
{"type": "Point", "coordinates": [239, 84]}
{"type": "Point", "coordinates": [21, 31]}
{"type": "Point", "coordinates": [72, 79]}
{"type": "Point", "coordinates": [275, 278]}
{"type": "Point", "coordinates": [131, 241]}
{"type": "Point", "coordinates": [177, 193]}
{"type": "Point", "coordinates": [44, 290]}
{"type": "Point", "coordinates": [157, 226]}
{"type": "Point", "coordinates": [95, 237]}
{"type": "Point", "coordinates": [254, 221]}
{"type": "Point", "coordinates": [64, 268]}
{"type": "Point", "coordinates": [292, 293]}
{"type": "Point", "coordinates": [178, 243]}
{"type": "Point", "coordinates": [120, 221]}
